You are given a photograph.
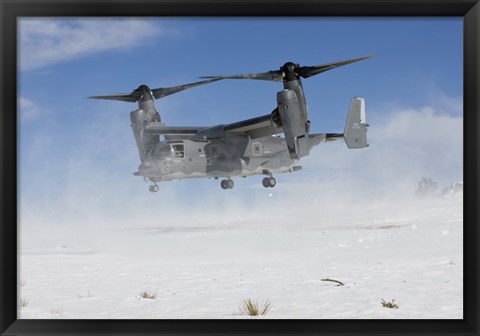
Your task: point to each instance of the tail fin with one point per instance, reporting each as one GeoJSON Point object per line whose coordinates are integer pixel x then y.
{"type": "Point", "coordinates": [355, 133]}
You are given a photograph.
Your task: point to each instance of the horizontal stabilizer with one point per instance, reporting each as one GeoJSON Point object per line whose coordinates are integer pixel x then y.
{"type": "Point", "coordinates": [316, 138]}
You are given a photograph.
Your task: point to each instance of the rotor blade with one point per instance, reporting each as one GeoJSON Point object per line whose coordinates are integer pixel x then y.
{"type": "Point", "coordinates": [308, 71]}
{"type": "Point", "coordinates": [276, 76]}
{"type": "Point", "coordinates": [126, 97]}
{"type": "Point", "coordinates": [163, 92]}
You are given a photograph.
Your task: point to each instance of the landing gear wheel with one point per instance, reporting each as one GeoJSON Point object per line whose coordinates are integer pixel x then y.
{"type": "Point", "coordinates": [272, 182]}
{"type": "Point", "coordinates": [227, 184]}
{"type": "Point", "coordinates": [223, 184]}
{"type": "Point", "coordinates": [269, 182]}
{"type": "Point", "coordinates": [265, 182]}
{"type": "Point", "coordinates": [153, 188]}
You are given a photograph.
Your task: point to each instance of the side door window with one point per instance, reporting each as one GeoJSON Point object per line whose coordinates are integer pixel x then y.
{"type": "Point", "coordinates": [178, 151]}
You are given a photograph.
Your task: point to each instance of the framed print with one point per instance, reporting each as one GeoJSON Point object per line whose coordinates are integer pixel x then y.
{"type": "Point", "coordinates": [239, 167]}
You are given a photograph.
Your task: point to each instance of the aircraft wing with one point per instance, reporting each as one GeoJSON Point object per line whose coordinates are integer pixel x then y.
{"type": "Point", "coordinates": [160, 128]}
{"type": "Point", "coordinates": [256, 127]}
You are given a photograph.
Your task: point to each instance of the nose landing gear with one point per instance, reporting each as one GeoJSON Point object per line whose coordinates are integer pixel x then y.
{"type": "Point", "coordinates": [153, 188]}
{"type": "Point", "coordinates": [227, 184]}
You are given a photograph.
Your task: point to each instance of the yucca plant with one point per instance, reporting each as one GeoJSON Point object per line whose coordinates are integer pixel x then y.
{"type": "Point", "coordinates": [253, 308]}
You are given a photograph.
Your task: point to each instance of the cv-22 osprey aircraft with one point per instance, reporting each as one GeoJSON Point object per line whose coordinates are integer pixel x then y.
{"type": "Point", "coordinates": [244, 148]}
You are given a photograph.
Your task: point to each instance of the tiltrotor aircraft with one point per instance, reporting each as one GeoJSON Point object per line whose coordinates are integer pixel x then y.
{"type": "Point", "coordinates": [244, 148]}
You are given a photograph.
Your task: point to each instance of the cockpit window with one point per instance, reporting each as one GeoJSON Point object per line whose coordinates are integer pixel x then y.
{"type": "Point", "coordinates": [178, 150]}
{"type": "Point", "coordinates": [162, 150]}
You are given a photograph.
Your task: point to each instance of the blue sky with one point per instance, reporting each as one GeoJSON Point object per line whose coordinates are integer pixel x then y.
{"type": "Point", "coordinates": [77, 155]}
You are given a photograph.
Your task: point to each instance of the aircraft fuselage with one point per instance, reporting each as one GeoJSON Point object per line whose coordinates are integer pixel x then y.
{"type": "Point", "coordinates": [225, 157]}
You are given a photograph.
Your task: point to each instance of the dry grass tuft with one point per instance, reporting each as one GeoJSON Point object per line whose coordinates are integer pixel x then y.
{"type": "Point", "coordinates": [339, 283]}
{"type": "Point", "coordinates": [253, 308]}
{"type": "Point", "coordinates": [23, 303]}
{"type": "Point", "coordinates": [56, 312]}
{"type": "Point", "coordinates": [146, 294]}
{"type": "Point", "coordinates": [85, 294]}
{"type": "Point", "coordinates": [390, 304]}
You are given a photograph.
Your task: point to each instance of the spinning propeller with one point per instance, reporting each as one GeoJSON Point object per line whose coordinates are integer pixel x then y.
{"type": "Point", "coordinates": [288, 72]}
{"type": "Point", "coordinates": [144, 93]}
{"type": "Point", "coordinates": [291, 71]}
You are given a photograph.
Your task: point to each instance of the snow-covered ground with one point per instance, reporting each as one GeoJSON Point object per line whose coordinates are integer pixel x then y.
{"type": "Point", "coordinates": [205, 266]}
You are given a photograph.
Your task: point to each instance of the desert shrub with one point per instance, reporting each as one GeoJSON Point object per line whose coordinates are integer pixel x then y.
{"type": "Point", "coordinates": [427, 187]}
{"type": "Point", "coordinates": [452, 189]}
{"type": "Point", "coordinates": [253, 308]}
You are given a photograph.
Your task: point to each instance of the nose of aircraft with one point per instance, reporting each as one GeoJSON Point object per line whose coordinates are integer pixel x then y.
{"type": "Point", "coordinates": [146, 167]}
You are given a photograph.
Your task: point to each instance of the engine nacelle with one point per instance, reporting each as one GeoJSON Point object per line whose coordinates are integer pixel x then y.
{"type": "Point", "coordinates": [293, 123]}
{"type": "Point", "coordinates": [275, 118]}
{"type": "Point", "coordinates": [139, 119]}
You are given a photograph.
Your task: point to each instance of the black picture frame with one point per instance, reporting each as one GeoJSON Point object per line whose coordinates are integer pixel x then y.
{"type": "Point", "coordinates": [10, 10]}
